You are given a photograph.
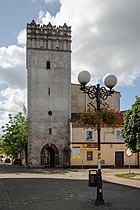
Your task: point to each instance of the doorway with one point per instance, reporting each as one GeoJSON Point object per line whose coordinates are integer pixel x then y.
{"type": "Point", "coordinates": [119, 159]}
{"type": "Point", "coordinates": [49, 155]}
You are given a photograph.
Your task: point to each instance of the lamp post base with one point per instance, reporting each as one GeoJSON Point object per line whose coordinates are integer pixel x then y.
{"type": "Point", "coordinates": [99, 202]}
{"type": "Point", "coordinates": [99, 199]}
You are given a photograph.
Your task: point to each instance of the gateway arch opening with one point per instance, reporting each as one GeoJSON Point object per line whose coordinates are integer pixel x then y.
{"type": "Point", "coordinates": [49, 155]}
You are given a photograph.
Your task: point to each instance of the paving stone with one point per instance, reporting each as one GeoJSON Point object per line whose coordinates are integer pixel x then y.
{"type": "Point", "coordinates": [52, 189]}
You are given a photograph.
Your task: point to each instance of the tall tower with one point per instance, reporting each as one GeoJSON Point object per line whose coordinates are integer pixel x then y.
{"type": "Point", "coordinates": [49, 93]}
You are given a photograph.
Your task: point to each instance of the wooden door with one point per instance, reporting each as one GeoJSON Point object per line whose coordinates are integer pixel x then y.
{"type": "Point", "coordinates": [119, 159]}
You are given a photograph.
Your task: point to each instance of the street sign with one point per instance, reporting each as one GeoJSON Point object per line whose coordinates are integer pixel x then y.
{"type": "Point", "coordinates": [90, 146]}
{"type": "Point", "coordinates": [128, 152]}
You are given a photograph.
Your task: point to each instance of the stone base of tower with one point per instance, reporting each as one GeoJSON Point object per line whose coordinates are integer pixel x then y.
{"type": "Point", "coordinates": [49, 156]}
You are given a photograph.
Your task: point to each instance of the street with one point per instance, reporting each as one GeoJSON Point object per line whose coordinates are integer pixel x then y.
{"type": "Point", "coordinates": [59, 189]}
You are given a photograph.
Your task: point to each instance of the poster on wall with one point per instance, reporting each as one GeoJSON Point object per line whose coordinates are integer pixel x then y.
{"type": "Point", "coordinates": [75, 152]}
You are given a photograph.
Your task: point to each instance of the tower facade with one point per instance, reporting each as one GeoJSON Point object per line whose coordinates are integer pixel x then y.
{"type": "Point", "coordinates": [48, 64]}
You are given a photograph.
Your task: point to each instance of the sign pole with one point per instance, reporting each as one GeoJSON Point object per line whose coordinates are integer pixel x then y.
{"type": "Point", "coordinates": [129, 166]}
{"type": "Point", "coordinates": [128, 153]}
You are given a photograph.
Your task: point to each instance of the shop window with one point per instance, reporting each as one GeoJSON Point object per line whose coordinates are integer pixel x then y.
{"type": "Point", "coordinates": [89, 155]}
{"type": "Point", "coordinates": [89, 135]}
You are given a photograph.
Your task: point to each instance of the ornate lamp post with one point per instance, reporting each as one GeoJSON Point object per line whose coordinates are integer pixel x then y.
{"type": "Point", "coordinates": [99, 93]}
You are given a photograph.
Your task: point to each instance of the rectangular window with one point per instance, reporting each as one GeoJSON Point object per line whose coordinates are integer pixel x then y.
{"type": "Point", "coordinates": [118, 135]}
{"type": "Point", "coordinates": [48, 65]}
{"type": "Point", "coordinates": [89, 155]}
{"type": "Point", "coordinates": [89, 135]}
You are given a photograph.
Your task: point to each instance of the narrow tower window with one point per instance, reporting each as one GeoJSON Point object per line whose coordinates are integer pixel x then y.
{"type": "Point", "coordinates": [48, 66]}
{"type": "Point", "coordinates": [50, 131]}
{"type": "Point", "coordinates": [49, 91]}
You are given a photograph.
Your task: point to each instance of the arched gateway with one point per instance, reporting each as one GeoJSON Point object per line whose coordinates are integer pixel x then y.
{"type": "Point", "coordinates": [49, 155]}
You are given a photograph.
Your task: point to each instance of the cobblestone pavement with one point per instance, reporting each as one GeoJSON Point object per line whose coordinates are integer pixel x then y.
{"type": "Point", "coordinates": [59, 189]}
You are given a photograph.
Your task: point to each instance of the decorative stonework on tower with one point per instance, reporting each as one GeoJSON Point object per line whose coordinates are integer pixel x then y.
{"type": "Point", "coordinates": [49, 37]}
{"type": "Point", "coordinates": [49, 93]}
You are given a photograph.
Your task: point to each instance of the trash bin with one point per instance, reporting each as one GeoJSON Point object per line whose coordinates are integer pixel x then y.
{"type": "Point", "coordinates": [93, 178]}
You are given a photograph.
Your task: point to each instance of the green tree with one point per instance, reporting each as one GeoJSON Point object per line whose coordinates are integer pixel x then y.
{"type": "Point", "coordinates": [14, 139]}
{"type": "Point", "coordinates": [131, 129]}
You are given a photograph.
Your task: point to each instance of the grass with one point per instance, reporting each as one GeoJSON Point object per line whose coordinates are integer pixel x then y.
{"type": "Point", "coordinates": [127, 175]}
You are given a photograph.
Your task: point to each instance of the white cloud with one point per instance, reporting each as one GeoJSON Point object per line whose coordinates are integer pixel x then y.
{"type": "Point", "coordinates": [12, 101]}
{"type": "Point", "coordinates": [105, 36]}
{"type": "Point", "coordinates": [21, 39]}
{"type": "Point", "coordinates": [13, 74]}
{"type": "Point", "coordinates": [3, 119]}
{"type": "Point", "coordinates": [12, 66]}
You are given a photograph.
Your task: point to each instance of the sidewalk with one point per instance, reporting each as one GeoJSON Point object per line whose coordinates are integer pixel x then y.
{"type": "Point", "coordinates": [109, 175]}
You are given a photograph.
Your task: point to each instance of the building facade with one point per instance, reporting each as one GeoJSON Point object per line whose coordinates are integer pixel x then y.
{"type": "Point", "coordinates": [83, 142]}
{"type": "Point", "coordinates": [80, 101]}
{"type": "Point", "coordinates": [84, 148]}
{"type": "Point", "coordinates": [49, 93]}
{"type": "Point", "coordinates": [55, 138]}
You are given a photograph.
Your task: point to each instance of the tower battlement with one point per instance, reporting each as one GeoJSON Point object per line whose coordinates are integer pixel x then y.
{"type": "Point", "coordinates": [48, 36]}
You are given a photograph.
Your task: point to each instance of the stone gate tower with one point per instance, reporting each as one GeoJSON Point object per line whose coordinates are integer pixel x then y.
{"type": "Point", "coordinates": [49, 93]}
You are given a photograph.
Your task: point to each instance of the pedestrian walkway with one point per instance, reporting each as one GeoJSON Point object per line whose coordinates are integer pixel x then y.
{"type": "Point", "coordinates": [109, 175]}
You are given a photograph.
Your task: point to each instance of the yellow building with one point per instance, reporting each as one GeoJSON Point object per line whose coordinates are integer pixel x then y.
{"type": "Point", "coordinates": [84, 144]}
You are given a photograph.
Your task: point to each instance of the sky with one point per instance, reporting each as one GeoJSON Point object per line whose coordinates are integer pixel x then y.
{"type": "Point", "coordinates": [105, 40]}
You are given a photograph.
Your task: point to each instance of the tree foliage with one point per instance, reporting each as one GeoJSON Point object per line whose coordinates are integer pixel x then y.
{"type": "Point", "coordinates": [131, 129]}
{"type": "Point", "coordinates": [14, 138]}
